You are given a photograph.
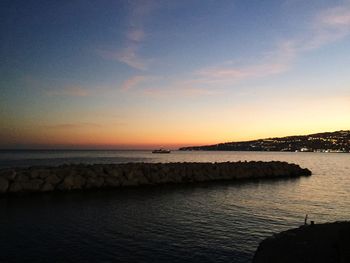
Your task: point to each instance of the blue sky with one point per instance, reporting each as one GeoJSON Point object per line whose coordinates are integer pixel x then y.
{"type": "Point", "coordinates": [145, 73]}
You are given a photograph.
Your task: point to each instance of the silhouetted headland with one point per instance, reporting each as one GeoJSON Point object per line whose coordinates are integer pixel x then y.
{"type": "Point", "coordinates": [327, 142]}
{"type": "Point", "coordinates": [321, 243]}
{"type": "Point", "coordinates": [75, 177]}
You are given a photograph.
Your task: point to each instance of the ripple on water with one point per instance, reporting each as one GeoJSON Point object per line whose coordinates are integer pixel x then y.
{"type": "Point", "coordinates": [203, 223]}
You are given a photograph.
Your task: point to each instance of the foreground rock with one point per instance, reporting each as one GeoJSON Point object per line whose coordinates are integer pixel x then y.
{"type": "Point", "coordinates": [75, 177]}
{"type": "Point", "coordinates": [321, 243]}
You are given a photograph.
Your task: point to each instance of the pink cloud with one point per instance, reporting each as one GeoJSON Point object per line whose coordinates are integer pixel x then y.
{"type": "Point", "coordinates": [127, 56]}
{"type": "Point", "coordinates": [183, 92]}
{"type": "Point", "coordinates": [328, 26]}
{"type": "Point", "coordinates": [132, 82]}
{"type": "Point", "coordinates": [136, 35]}
{"type": "Point", "coordinates": [253, 71]}
{"type": "Point", "coordinates": [337, 16]}
{"type": "Point", "coordinates": [130, 57]}
{"type": "Point", "coordinates": [74, 91]}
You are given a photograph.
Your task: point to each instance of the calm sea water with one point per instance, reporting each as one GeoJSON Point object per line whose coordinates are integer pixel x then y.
{"type": "Point", "coordinates": [203, 223]}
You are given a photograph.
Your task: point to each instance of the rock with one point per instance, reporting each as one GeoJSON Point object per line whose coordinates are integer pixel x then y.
{"type": "Point", "coordinates": [40, 173]}
{"type": "Point", "coordinates": [25, 184]}
{"type": "Point", "coordinates": [200, 176]}
{"type": "Point", "coordinates": [47, 187]}
{"type": "Point", "coordinates": [94, 182]}
{"type": "Point", "coordinates": [15, 187]}
{"type": "Point", "coordinates": [22, 176]}
{"type": "Point", "coordinates": [98, 170]}
{"type": "Point", "coordinates": [72, 182]}
{"type": "Point", "coordinates": [88, 173]}
{"type": "Point", "coordinates": [112, 181]}
{"type": "Point", "coordinates": [71, 177]}
{"type": "Point", "coordinates": [112, 170]}
{"type": "Point", "coordinates": [4, 184]}
{"type": "Point", "coordinates": [137, 177]}
{"type": "Point", "coordinates": [9, 174]}
{"type": "Point", "coordinates": [321, 243]}
{"type": "Point", "coordinates": [52, 179]}
{"type": "Point", "coordinates": [32, 185]}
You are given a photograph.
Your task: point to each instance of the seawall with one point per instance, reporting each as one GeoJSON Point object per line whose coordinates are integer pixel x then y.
{"type": "Point", "coordinates": [321, 243]}
{"type": "Point", "coordinates": [83, 176]}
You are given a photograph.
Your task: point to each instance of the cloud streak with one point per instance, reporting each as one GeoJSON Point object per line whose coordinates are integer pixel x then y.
{"type": "Point", "coordinates": [241, 73]}
{"type": "Point", "coordinates": [128, 56]}
{"type": "Point", "coordinates": [134, 36]}
{"type": "Point", "coordinates": [324, 28]}
{"type": "Point", "coordinates": [73, 91]}
{"type": "Point", "coordinates": [133, 82]}
{"type": "Point", "coordinates": [69, 126]}
{"type": "Point", "coordinates": [328, 26]}
{"type": "Point", "coordinates": [179, 91]}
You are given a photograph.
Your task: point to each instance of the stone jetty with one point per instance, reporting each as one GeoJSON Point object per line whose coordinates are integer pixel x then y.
{"type": "Point", "coordinates": [84, 176]}
{"type": "Point", "coordinates": [321, 243]}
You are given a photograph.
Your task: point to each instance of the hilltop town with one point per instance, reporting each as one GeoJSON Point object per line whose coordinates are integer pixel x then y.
{"type": "Point", "coordinates": [338, 141]}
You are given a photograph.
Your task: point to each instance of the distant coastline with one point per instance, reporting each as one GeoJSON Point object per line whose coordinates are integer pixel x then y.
{"type": "Point", "coordinates": [326, 142]}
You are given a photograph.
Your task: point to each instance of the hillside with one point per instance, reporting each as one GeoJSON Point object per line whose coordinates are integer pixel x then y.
{"type": "Point", "coordinates": [338, 141]}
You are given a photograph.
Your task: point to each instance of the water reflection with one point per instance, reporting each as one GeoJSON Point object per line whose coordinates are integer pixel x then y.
{"type": "Point", "coordinates": [199, 223]}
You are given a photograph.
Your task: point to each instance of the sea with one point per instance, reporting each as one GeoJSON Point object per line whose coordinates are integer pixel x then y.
{"type": "Point", "coordinates": [206, 222]}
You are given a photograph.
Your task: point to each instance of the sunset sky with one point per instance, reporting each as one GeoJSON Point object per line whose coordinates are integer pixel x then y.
{"type": "Point", "coordinates": [145, 74]}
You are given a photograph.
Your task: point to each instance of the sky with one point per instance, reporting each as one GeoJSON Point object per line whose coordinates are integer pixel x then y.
{"type": "Point", "coordinates": [146, 73]}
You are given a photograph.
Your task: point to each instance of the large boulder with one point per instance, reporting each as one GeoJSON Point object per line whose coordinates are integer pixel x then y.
{"type": "Point", "coordinates": [4, 184]}
{"type": "Point", "coordinates": [32, 185]}
{"type": "Point", "coordinates": [72, 182]}
{"type": "Point", "coordinates": [15, 187]}
{"type": "Point", "coordinates": [94, 182]}
{"type": "Point", "coordinates": [134, 177]}
{"type": "Point", "coordinates": [47, 187]}
{"type": "Point", "coordinates": [40, 173]}
{"type": "Point", "coordinates": [112, 181]}
{"type": "Point", "coordinates": [9, 174]}
{"type": "Point", "coordinates": [319, 243]}
{"type": "Point", "coordinates": [52, 179]}
{"type": "Point", "coordinates": [21, 181]}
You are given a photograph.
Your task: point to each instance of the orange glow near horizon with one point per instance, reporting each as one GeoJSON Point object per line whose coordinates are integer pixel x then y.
{"type": "Point", "coordinates": [135, 80]}
{"type": "Point", "coordinates": [97, 139]}
{"type": "Point", "coordinates": [202, 127]}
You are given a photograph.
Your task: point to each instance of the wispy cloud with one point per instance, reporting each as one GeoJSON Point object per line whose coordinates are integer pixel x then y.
{"type": "Point", "coordinates": [74, 91]}
{"type": "Point", "coordinates": [133, 82]}
{"type": "Point", "coordinates": [271, 63]}
{"type": "Point", "coordinates": [240, 73]}
{"type": "Point", "coordinates": [164, 87]}
{"type": "Point", "coordinates": [134, 36]}
{"type": "Point", "coordinates": [68, 126]}
{"type": "Point", "coordinates": [128, 55]}
{"type": "Point", "coordinates": [326, 27]}
{"type": "Point", "coordinates": [182, 92]}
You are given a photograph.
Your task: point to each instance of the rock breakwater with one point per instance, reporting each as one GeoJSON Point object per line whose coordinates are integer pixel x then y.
{"type": "Point", "coordinates": [82, 176]}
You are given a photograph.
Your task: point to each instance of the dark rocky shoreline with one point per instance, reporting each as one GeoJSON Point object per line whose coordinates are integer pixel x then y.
{"type": "Point", "coordinates": [82, 176]}
{"type": "Point", "coordinates": [321, 243]}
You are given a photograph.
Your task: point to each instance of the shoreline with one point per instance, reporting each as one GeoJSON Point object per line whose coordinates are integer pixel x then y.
{"type": "Point", "coordinates": [97, 176]}
{"type": "Point", "coordinates": [321, 243]}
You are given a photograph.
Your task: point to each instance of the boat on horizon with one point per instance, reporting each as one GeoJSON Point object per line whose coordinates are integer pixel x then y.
{"type": "Point", "coordinates": [161, 151]}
